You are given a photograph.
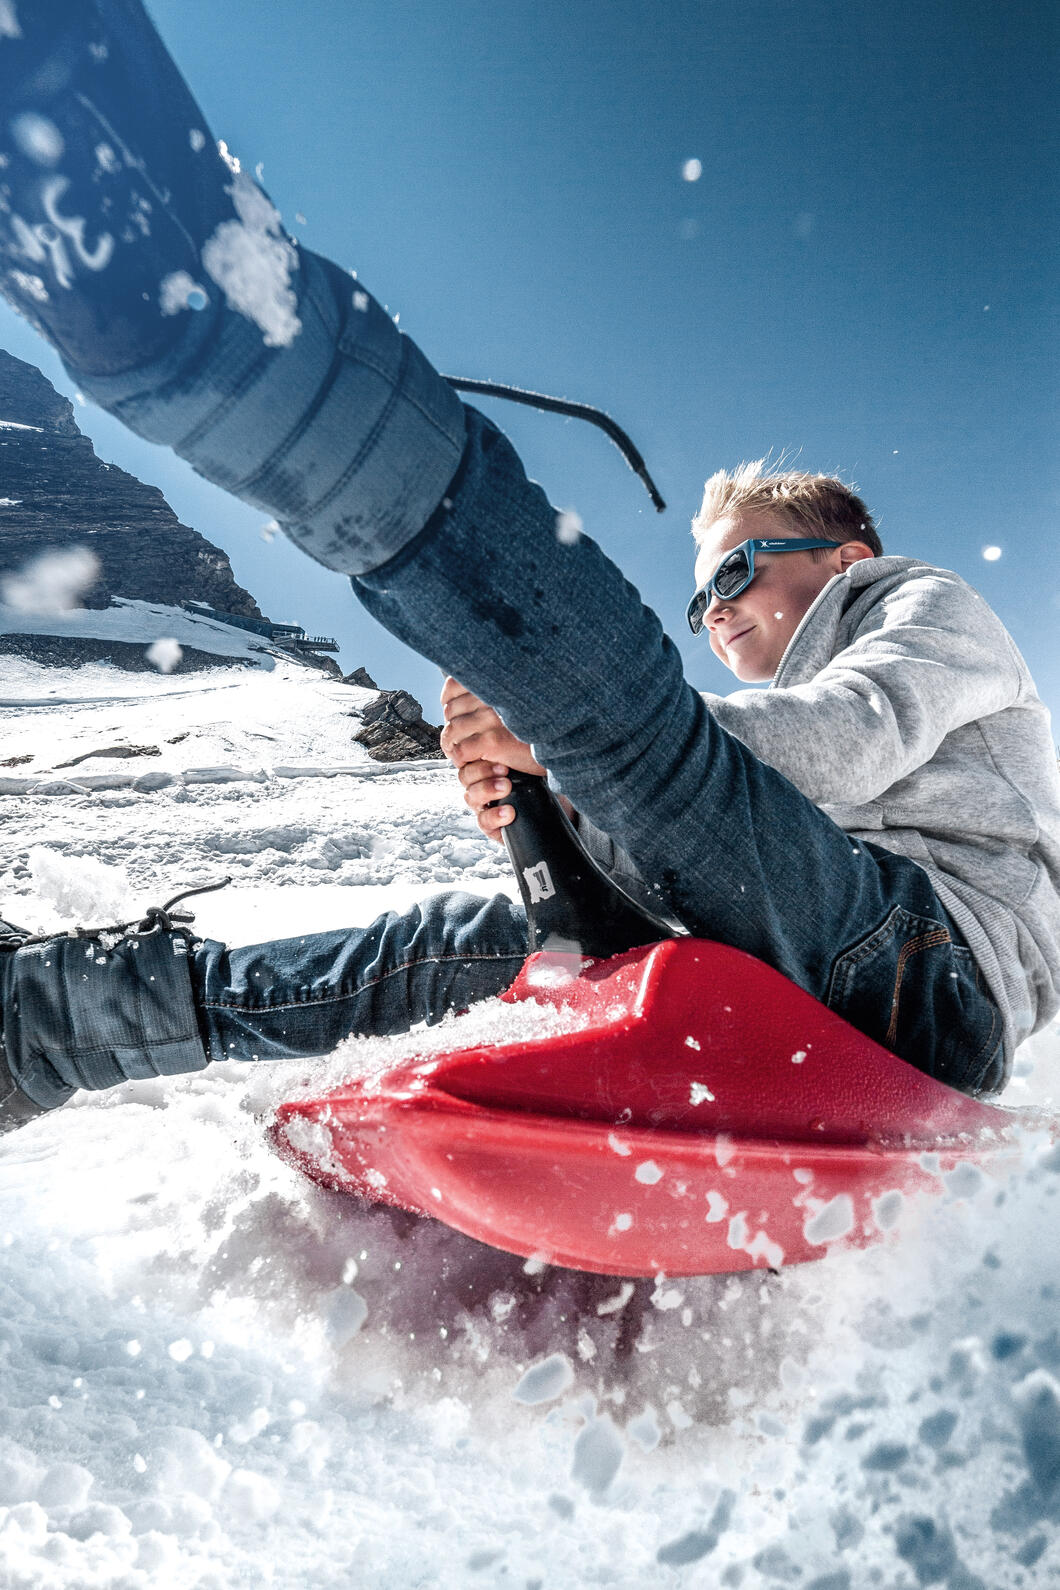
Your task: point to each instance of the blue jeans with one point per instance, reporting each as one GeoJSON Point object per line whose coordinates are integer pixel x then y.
{"type": "Point", "coordinates": [348, 436]}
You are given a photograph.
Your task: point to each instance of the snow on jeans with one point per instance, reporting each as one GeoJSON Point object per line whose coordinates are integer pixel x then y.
{"type": "Point", "coordinates": [315, 408]}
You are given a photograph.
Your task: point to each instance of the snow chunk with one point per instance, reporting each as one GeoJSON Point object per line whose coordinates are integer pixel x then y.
{"type": "Point", "coordinates": [181, 291]}
{"type": "Point", "coordinates": [887, 1209]}
{"type": "Point", "coordinates": [65, 1485]}
{"type": "Point", "coordinates": [698, 1092]}
{"type": "Point", "coordinates": [569, 527]}
{"type": "Point", "coordinates": [645, 1429]}
{"type": "Point", "coordinates": [544, 1381]}
{"type": "Point", "coordinates": [9, 28]}
{"type": "Point", "coordinates": [251, 1497]}
{"type": "Point", "coordinates": [835, 1220]}
{"type": "Point", "coordinates": [1037, 1401]}
{"type": "Point", "coordinates": [184, 1460]}
{"type": "Point", "coordinates": [598, 1454]}
{"type": "Point", "coordinates": [648, 1172]}
{"type": "Point", "coordinates": [717, 1207]}
{"type": "Point", "coordinates": [965, 1180]}
{"type": "Point", "coordinates": [37, 137]}
{"type": "Point", "coordinates": [252, 262]}
{"type": "Point", "coordinates": [692, 170]}
{"type": "Point", "coordinates": [614, 1305]}
{"type": "Point", "coordinates": [346, 1313]}
{"type": "Point", "coordinates": [51, 583]}
{"type": "Point", "coordinates": [164, 654]}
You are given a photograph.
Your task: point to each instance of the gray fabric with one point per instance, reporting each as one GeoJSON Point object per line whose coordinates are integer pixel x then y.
{"type": "Point", "coordinates": [903, 709]}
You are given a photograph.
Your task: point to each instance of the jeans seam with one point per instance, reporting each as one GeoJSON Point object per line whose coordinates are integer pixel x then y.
{"type": "Point", "coordinates": [308, 1004]}
{"type": "Point", "coordinates": [909, 949]}
{"type": "Point", "coordinates": [994, 1013]}
{"type": "Point", "coordinates": [370, 442]}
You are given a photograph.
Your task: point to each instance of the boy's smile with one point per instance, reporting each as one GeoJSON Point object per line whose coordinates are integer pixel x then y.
{"type": "Point", "coordinates": [750, 632]}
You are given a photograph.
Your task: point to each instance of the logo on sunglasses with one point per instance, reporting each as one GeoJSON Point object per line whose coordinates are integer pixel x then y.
{"type": "Point", "coordinates": [539, 882]}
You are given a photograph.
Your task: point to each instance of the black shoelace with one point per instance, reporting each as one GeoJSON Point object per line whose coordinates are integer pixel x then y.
{"type": "Point", "coordinates": [157, 919]}
{"type": "Point", "coordinates": [577, 411]}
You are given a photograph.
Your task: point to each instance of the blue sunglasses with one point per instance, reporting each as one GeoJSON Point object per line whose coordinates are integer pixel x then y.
{"type": "Point", "coordinates": [736, 571]}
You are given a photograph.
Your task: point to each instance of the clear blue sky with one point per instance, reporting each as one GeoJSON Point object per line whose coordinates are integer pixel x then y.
{"type": "Point", "coordinates": [864, 276]}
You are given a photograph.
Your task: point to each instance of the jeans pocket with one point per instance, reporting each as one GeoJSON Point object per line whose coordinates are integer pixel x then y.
{"type": "Point", "coordinates": [916, 991]}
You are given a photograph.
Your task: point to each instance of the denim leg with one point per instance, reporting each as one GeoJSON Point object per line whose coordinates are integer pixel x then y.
{"type": "Point", "coordinates": [87, 1013]}
{"type": "Point", "coordinates": [302, 996]}
{"type": "Point", "coordinates": [537, 626]}
{"type": "Point", "coordinates": [163, 275]}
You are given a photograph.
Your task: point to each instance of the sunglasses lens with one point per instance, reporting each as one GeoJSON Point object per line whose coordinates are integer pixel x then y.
{"type": "Point", "coordinates": [697, 607]}
{"type": "Point", "coordinates": [731, 574]}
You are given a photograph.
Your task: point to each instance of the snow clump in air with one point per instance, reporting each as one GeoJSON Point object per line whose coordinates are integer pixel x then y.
{"type": "Point", "coordinates": [38, 138]}
{"type": "Point", "coordinates": [692, 170]}
{"type": "Point", "coordinates": [51, 583]}
{"type": "Point", "coordinates": [180, 291]}
{"type": "Point", "coordinates": [9, 28]}
{"type": "Point", "coordinates": [252, 262]}
{"type": "Point", "coordinates": [164, 654]}
{"type": "Point", "coordinates": [568, 527]}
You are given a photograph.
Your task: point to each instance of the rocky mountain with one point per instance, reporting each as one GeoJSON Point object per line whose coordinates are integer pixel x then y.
{"type": "Point", "coordinates": [55, 492]}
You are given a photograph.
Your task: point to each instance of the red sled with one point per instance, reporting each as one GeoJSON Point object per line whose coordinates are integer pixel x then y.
{"type": "Point", "coordinates": [705, 1115]}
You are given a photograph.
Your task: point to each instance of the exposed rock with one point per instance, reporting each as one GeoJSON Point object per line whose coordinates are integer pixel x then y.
{"type": "Point", "coordinates": [55, 492]}
{"type": "Point", "coordinates": [394, 729]}
{"type": "Point", "coordinates": [361, 677]}
{"type": "Point", "coordinates": [112, 750]}
{"type": "Point", "coordinates": [70, 651]}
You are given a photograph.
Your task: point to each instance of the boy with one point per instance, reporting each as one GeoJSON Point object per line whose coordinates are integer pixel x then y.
{"type": "Point", "coordinates": [883, 826]}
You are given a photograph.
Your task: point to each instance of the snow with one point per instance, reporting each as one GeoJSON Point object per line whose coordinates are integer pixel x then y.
{"type": "Point", "coordinates": [52, 583]}
{"type": "Point", "coordinates": [252, 262]}
{"type": "Point", "coordinates": [9, 28]}
{"type": "Point", "coordinates": [216, 1373]}
{"type": "Point", "coordinates": [125, 620]}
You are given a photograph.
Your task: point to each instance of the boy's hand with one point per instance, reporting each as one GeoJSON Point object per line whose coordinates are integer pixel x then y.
{"type": "Point", "coordinates": [483, 752]}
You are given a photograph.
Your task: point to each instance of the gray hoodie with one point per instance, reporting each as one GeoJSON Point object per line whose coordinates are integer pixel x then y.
{"type": "Point", "coordinates": [903, 709]}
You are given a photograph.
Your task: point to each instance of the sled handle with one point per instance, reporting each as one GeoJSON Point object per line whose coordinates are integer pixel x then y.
{"type": "Point", "coordinates": [571, 903]}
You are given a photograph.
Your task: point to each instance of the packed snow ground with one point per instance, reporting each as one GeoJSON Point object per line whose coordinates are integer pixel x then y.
{"type": "Point", "coordinates": [216, 1374]}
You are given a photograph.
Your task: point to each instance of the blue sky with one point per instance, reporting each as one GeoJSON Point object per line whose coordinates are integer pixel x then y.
{"type": "Point", "coordinates": [863, 277]}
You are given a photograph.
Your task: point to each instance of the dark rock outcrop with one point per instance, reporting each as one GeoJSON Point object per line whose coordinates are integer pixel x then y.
{"type": "Point", "coordinates": [55, 492]}
{"type": "Point", "coordinates": [394, 729]}
{"type": "Point", "coordinates": [72, 651]}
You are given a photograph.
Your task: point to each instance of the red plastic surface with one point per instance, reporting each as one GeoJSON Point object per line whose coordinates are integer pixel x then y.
{"type": "Point", "coordinates": [706, 1116]}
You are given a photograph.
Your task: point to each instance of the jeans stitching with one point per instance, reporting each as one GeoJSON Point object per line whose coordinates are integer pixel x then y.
{"type": "Point", "coordinates": [909, 949]}
{"type": "Point", "coordinates": [994, 1013]}
{"type": "Point", "coordinates": [308, 1004]}
{"type": "Point", "coordinates": [370, 442]}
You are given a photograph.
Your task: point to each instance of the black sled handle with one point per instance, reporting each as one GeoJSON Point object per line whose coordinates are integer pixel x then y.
{"type": "Point", "coordinates": [571, 903]}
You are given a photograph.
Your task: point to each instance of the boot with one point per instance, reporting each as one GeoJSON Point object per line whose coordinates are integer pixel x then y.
{"type": "Point", "coordinates": [16, 1107]}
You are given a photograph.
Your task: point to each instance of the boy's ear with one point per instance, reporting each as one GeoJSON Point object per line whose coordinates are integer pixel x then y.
{"type": "Point", "coordinates": [853, 552]}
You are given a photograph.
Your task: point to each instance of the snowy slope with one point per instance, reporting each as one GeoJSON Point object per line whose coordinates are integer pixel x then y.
{"type": "Point", "coordinates": [215, 1374]}
{"type": "Point", "coordinates": [131, 620]}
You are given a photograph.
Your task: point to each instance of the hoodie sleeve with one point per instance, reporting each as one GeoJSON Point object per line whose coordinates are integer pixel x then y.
{"type": "Point", "coordinates": [928, 657]}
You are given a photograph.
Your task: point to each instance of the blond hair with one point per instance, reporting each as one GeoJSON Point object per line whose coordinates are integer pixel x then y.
{"type": "Point", "coordinates": [819, 506]}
